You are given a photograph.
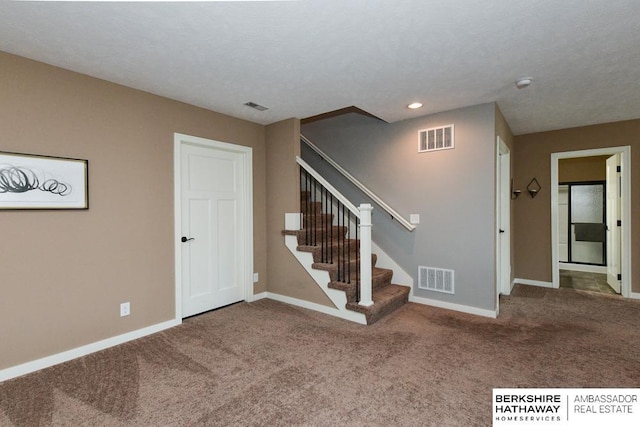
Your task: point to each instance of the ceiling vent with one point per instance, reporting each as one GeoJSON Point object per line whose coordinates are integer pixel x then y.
{"type": "Point", "coordinates": [256, 106]}
{"type": "Point", "coordinates": [436, 279]}
{"type": "Point", "coordinates": [433, 139]}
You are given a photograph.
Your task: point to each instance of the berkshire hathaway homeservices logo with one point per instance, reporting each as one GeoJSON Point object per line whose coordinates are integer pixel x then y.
{"type": "Point", "coordinates": [566, 407]}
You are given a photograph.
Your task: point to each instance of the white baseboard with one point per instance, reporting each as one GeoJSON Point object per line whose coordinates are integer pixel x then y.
{"type": "Point", "coordinates": [634, 295]}
{"type": "Point", "coordinates": [261, 295]}
{"type": "Point", "coordinates": [65, 356]}
{"type": "Point", "coordinates": [456, 307]}
{"type": "Point", "coordinates": [533, 283]}
{"type": "Point", "coordinates": [346, 315]}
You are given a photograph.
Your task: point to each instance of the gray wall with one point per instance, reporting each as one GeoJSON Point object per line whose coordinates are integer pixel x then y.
{"type": "Point", "coordinates": [452, 190]}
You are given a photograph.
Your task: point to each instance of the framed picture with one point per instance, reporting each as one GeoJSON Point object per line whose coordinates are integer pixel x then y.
{"type": "Point", "coordinates": [43, 182]}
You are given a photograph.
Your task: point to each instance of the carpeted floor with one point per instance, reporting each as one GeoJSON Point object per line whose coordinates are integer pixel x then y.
{"type": "Point", "coordinates": [270, 364]}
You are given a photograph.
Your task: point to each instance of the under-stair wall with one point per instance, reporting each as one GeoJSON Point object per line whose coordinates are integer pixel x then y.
{"type": "Point", "coordinates": [287, 279]}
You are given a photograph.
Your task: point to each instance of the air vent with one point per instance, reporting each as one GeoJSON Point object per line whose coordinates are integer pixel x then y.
{"type": "Point", "coordinates": [434, 139]}
{"type": "Point", "coordinates": [256, 106]}
{"type": "Point", "coordinates": [435, 279]}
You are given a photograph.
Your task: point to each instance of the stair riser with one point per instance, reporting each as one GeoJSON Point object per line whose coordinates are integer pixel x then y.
{"type": "Point", "coordinates": [318, 220]}
{"type": "Point", "coordinates": [307, 208]}
{"type": "Point", "coordinates": [331, 253]}
{"type": "Point", "coordinates": [377, 280]}
{"type": "Point", "coordinates": [383, 305]}
{"type": "Point", "coordinates": [319, 235]}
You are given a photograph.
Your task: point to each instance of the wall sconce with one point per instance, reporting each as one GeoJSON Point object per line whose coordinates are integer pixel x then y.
{"type": "Point", "coordinates": [534, 188]}
{"type": "Point", "coordinates": [514, 193]}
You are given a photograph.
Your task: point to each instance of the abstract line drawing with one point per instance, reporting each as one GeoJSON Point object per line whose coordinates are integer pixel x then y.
{"type": "Point", "coordinates": [30, 181]}
{"type": "Point", "coordinates": [16, 179]}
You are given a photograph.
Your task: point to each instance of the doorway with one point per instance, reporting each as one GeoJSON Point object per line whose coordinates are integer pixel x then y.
{"type": "Point", "coordinates": [596, 237]}
{"type": "Point", "coordinates": [213, 224]}
{"type": "Point", "coordinates": [582, 215]}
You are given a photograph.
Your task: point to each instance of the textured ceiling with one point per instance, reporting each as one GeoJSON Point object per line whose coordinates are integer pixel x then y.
{"type": "Point", "coordinates": [303, 58]}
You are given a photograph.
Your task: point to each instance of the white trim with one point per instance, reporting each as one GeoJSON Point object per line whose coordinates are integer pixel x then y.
{"type": "Point", "coordinates": [65, 356]}
{"type": "Point", "coordinates": [352, 316]}
{"type": "Point", "coordinates": [583, 267]}
{"type": "Point", "coordinates": [533, 283]}
{"type": "Point", "coordinates": [261, 295]}
{"type": "Point", "coordinates": [452, 306]}
{"type": "Point", "coordinates": [321, 277]}
{"type": "Point", "coordinates": [625, 162]}
{"type": "Point", "coordinates": [634, 295]}
{"type": "Point", "coordinates": [247, 215]}
{"type": "Point", "coordinates": [292, 221]}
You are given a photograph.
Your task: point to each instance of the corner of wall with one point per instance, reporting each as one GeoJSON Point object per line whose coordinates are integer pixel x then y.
{"type": "Point", "coordinates": [286, 276]}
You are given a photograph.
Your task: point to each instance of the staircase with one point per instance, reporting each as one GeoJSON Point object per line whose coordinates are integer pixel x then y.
{"type": "Point", "coordinates": [327, 238]}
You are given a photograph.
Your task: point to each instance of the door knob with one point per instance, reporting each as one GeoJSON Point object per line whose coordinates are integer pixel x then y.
{"type": "Point", "coordinates": [184, 239]}
{"type": "Point", "coordinates": [501, 231]}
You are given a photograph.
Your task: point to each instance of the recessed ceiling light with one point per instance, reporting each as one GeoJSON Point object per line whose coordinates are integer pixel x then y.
{"type": "Point", "coordinates": [415, 105]}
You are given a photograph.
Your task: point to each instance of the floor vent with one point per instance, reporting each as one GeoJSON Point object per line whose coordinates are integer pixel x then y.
{"type": "Point", "coordinates": [434, 139]}
{"type": "Point", "coordinates": [435, 279]}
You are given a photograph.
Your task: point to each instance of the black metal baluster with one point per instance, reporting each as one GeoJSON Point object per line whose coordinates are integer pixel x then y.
{"type": "Point", "coordinates": [349, 246]}
{"type": "Point", "coordinates": [324, 226]}
{"type": "Point", "coordinates": [340, 254]}
{"type": "Point", "coordinates": [306, 218]}
{"type": "Point", "coordinates": [342, 234]}
{"type": "Point", "coordinates": [357, 265]}
{"type": "Point", "coordinates": [313, 213]}
{"type": "Point", "coordinates": [331, 227]}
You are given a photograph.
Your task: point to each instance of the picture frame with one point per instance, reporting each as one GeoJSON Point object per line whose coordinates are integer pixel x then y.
{"type": "Point", "coordinates": [30, 181]}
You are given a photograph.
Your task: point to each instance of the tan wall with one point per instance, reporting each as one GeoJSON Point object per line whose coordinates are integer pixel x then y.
{"type": "Point", "coordinates": [533, 216]}
{"type": "Point", "coordinates": [582, 169]}
{"type": "Point", "coordinates": [65, 273]}
{"type": "Point", "coordinates": [286, 275]}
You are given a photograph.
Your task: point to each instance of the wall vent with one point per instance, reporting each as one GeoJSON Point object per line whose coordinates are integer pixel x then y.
{"type": "Point", "coordinates": [436, 279]}
{"type": "Point", "coordinates": [433, 139]}
{"type": "Point", "coordinates": [256, 106]}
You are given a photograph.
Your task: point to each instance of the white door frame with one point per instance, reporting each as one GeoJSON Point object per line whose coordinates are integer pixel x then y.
{"type": "Point", "coordinates": [246, 216]}
{"type": "Point", "coordinates": [503, 220]}
{"type": "Point", "coordinates": [625, 162]}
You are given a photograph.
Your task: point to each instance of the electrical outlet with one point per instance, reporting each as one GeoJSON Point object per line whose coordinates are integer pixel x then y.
{"type": "Point", "coordinates": [125, 309]}
{"type": "Point", "coordinates": [255, 277]}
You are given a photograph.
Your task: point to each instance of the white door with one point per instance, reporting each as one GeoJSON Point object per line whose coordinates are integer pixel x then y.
{"type": "Point", "coordinates": [613, 217]}
{"type": "Point", "coordinates": [503, 211]}
{"type": "Point", "coordinates": [213, 230]}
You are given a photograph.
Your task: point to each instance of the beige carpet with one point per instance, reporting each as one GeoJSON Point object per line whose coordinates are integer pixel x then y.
{"type": "Point", "coordinates": [270, 364]}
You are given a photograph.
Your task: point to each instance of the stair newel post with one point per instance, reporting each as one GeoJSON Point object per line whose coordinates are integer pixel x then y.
{"type": "Point", "coordinates": [365, 255]}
